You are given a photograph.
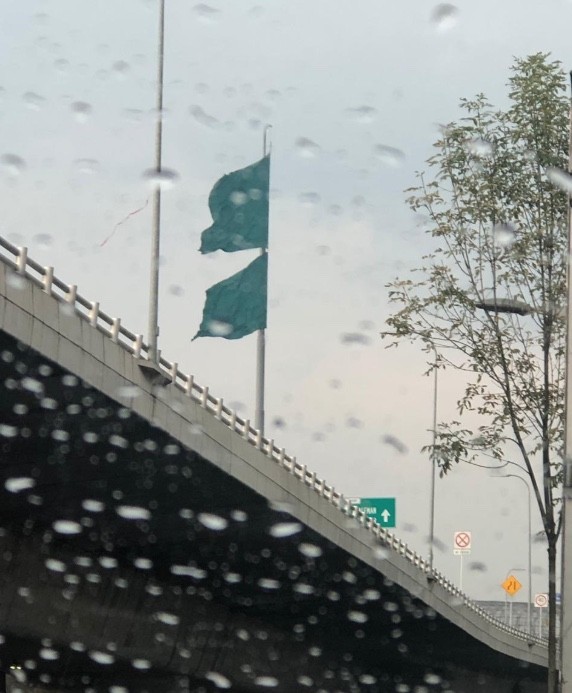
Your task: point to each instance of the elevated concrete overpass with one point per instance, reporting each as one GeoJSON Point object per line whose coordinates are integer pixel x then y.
{"type": "Point", "coordinates": [151, 539]}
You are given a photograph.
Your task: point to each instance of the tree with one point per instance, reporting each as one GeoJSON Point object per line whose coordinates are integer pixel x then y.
{"type": "Point", "coordinates": [489, 297]}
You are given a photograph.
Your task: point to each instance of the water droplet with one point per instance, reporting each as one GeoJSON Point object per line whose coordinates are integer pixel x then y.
{"type": "Point", "coordinates": [81, 111]}
{"type": "Point", "coordinates": [18, 483]}
{"type": "Point", "coordinates": [12, 164]}
{"type": "Point", "coordinates": [7, 431]}
{"type": "Point", "coordinates": [61, 64]}
{"type": "Point", "coordinates": [120, 68]}
{"type": "Point", "coordinates": [239, 516]}
{"type": "Point", "coordinates": [390, 156]}
{"type": "Point", "coordinates": [238, 198]}
{"type": "Point", "coordinates": [355, 338]}
{"type": "Point", "coordinates": [141, 664]}
{"type": "Point", "coordinates": [306, 148]}
{"type": "Point", "coordinates": [369, 680]}
{"type": "Point", "coordinates": [395, 443]}
{"type": "Point", "coordinates": [93, 506]}
{"type": "Point", "coordinates": [560, 179]}
{"type": "Point", "coordinates": [55, 565]}
{"type": "Point", "coordinates": [205, 13]}
{"type": "Point", "coordinates": [108, 562]}
{"type": "Point", "coordinates": [133, 512]}
{"type": "Point", "coordinates": [143, 563]}
{"type": "Point", "coordinates": [86, 166]}
{"type": "Point", "coordinates": [49, 654]}
{"type": "Point", "coordinates": [202, 117]}
{"type": "Point", "coordinates": [357, 616]}
{"type": "Point", "coordinates": [176, 290]}
{"type": "Point", "coordinates": [190, 571]}
{"type": "Point", "coordinates": [362, 114]}
{"type": "Point", "coordinates": [164, 179]}
{"type": "Point", "coordinates": [478, 567]}
{"type": "Point", "coordinates": [214, 522]}
{"type": "Point", "coordinates": [269, 583]}
{"type": "Point", "coordinates": [380, 553]}
{"type": "Point", "coordinates": [232, 578]}
{"type": "Point", "coordinates": [218, 328]}
{"type": "Point", "coordinates": [217, 679]}
{"type": "Point", "coordinates": [167, 618]}
{"type": "Point", "coordinates": [504, 235]}
{"type": "Point", "coordinates": [444, 16]}
{"type": "Point", "coordinates": [480, 148]}
{"type": "Point", "coordinates": [33, 101]}
{"type": "Point", "coordinates": [310, 550]}
{"type": "Point", "coordinates": [266, 681]}
{"type": "Point", "coordinates": [44, 240]}
{"type": "Point", "coordinates": [101, 657]}
{"type": "Point", "coordinates": [67, 527]}
{"type": "Point", "coordinates": [309, 199]}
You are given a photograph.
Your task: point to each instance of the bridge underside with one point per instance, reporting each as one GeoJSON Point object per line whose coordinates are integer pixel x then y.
{"type": "Point", "coordinates": [128, 561]}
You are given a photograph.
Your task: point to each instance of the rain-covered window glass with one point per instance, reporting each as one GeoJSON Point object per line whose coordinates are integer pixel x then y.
{"type": "Point", "coordinates": [283, 359]}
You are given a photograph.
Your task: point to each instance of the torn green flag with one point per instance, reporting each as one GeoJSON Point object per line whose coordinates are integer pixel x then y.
{"type": "Point", "coordinates": [236, 306]}
{"type": "Point", "coordinates": [239, 208]}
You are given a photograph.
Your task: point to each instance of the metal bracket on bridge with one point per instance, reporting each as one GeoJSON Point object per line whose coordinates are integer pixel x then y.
{"type": "Point", "coordinates": [153, 373]}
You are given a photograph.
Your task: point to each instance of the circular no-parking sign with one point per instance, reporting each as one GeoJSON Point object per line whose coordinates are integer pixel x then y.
{"type": "Point", "coordinates": [462, 540]}
{"type": "Point", "coordinates": [541, 600]}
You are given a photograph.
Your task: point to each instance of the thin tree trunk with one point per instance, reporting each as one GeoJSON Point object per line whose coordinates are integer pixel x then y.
{"type": "Point", "coordinates": [552, 665]}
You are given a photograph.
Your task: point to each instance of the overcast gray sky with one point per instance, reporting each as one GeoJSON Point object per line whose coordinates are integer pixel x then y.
{"type": "Point", "coordinates": [76, 105]}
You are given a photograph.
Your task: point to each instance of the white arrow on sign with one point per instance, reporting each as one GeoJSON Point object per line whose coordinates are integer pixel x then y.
{"type": "Point", "coordinates": [386, 515]}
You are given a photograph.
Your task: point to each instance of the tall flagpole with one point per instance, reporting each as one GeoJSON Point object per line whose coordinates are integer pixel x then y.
{"type": "Point", "coordinates": [566, 573]}
{"type": "Point", "coordinates": [261, 335]}
{"type": "Point", "coordinates": [156, 229]}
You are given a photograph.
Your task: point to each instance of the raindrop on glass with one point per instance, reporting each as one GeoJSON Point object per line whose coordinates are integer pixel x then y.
{"type": "Point", "coordinates": [217, 679]}
{"type": "Point", "coordinates": [81, 111]}
{"type": "Point", "coordinates": [12, 164]}
{"type": "Point", "coordinates": [101, 657]}
{"type": "Point", "coordinates": [33, 101]}
{"type": "Point", "coordinates": [444, 16]}
{"type": "Point", "coordinates": [306, 148]}
{"type": "Point", "coordinates": [309, 199]}
{"type": "Point", "coordinates": [120, 68]}
{"type": "Point", "coordinates": [560, 179]}
{"type": "Point", "coordinates": [167, 618]}
{"type": "Point", "coordinates": [310, 550]}
{"type": "Point", "coordinates": [395, 443]}
{"type": "Point", "coordinates": [202, 117]}
{"type": "Point", "coordinates": [266, 681]}
{"type": "Point", "coordinates": [49, 654]}
{"type": "Point", "coordinates": [67, 527]}
{"type": "Point", "coordinates": [93, 506]}
{"type": "Point", "coordinates": [55, 565]}
{"type": "Point", "coordinates": [133, 512]}
{"type": "Point", "coordinates": [480, 148]}
{"type": "Point", "coordinates": [141, 664]}
{"type": "Point", "coordinates": [164, 179]}
{"type": "Point", "coordinates": [362, 114]}
{"type": "Point", "coordinates": [205, 13]}
{"type": "Point", "coordinates": [86, 166]}
{"type": "Point", "coordinates": [504, 235]}
{"type": "Point", "coordinates": [285, 529]}
{"type": "Point", "coordinates": [218, 328]}
{"type": "Point", "coordinates": [214, 522]}
{"type": "Point", "coordinates": [19, 483]}
{"type": "Point", "coordinates": [390, 156]}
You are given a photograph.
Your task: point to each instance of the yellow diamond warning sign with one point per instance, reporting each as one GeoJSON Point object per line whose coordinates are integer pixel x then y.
{"type": "Point", "coordinates": [511, 585]}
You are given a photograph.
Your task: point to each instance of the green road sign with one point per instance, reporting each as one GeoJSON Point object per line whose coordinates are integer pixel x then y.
{"type": "Point", "coordinates": [381, 509]}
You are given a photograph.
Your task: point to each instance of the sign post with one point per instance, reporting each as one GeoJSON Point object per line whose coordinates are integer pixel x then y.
{"type": "Point", "coordinates": [461, 547]}
{"type": "Point", "coordinates": [511, 586]}
{"type": "Point", "coordinates": [381, 509]}
{"type": "Point", "coordinates": [540, 602]}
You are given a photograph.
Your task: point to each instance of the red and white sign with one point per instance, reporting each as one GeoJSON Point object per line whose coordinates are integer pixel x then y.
{"type": "Point", "coordinates": [462, 541]}
{"type": "Point", "coordinates": [541, 600]}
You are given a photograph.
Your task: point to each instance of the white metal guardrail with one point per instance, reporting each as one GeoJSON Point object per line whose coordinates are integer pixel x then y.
{"type": "Point", "coordinates": [17, 258]}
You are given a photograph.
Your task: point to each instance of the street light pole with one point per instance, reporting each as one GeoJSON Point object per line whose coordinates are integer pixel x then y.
{"type": "Point", "coordinates": [529, 602]}
{"type": "Point", "coordinates": [433, 466]}
{"type": "Point", "coordinates": [566, 577]}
